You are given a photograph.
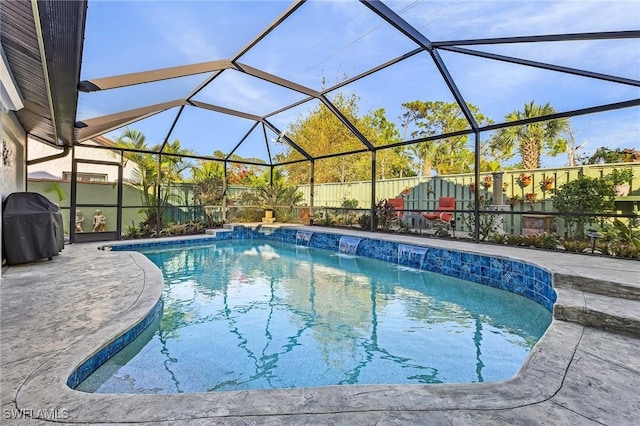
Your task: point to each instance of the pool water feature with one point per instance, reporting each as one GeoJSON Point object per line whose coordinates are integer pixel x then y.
{"type": "Point", "coordinates": [348, 245]}
{"type": "Point", "coordinates": [411, 256]}
{"type": "Point", "coordinates": [259, 314]}
{"type": "Point", "coordinates": [303, 238]}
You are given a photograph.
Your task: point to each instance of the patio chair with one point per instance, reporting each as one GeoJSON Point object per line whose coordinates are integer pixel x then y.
{"type": "Point", "coordinates": [398, 204]}
{"type": "Point", "coordinates": [444, 212]}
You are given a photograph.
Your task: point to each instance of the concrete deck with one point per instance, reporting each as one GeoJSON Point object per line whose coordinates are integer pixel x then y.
{"type": "Point", "coordinates": [55, 314]}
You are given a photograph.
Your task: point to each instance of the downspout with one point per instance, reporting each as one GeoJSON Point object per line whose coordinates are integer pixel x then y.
{"type": "Point", "coordinates": [65, 151]}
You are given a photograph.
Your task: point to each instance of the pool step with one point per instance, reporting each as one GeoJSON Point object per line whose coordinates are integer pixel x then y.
{"type": "Point", "coordinates": [606, 288]}
{"type": "Point", "coordinates": [619, 315]}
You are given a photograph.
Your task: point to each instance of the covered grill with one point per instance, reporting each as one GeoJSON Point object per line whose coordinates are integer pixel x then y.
{"type": "Point", "coordinates": [31, 228]}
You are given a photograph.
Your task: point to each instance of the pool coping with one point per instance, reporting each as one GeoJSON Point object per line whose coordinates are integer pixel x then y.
{"type": "Point", "coordinates": [539, 379]}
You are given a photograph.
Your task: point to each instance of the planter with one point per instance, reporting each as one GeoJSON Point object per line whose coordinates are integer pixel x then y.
{"type": "Point", "coordinates": [524, 180]}
{"type": "Point", "coordinates": [547, 186]}
{"type": "Point", "coordinates": [622, 190]}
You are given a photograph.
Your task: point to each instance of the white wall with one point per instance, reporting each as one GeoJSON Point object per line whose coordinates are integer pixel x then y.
{"type": "Point", "coordinates": [54, 169]}
{"type": "Point", "coordinates": [13, 162]}
{"type": "Point", "coordinates": [13, 155]}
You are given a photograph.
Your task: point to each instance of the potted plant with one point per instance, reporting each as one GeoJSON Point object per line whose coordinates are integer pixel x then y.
{"type": "Point", "coordinates": [487, 182]}
{"type": "Point", "coordinates": [546, 184]}
{"type": "Point", "coordinates": [523, 180]}
{"type": "Point", "coordinates": [269, 195]}
{"type": "Point", "coordinates": [405, 191]}
{"type": "Point", "coordinates": [531, 197]}
{"type": "Point", "coordinates": [515, 199]}
{"type": "Point", "coordinates": [621, 179]}
{"type": "Point", "coordinates": [472, 187]}
{"type": "Point", "coordinates": [268, 213]}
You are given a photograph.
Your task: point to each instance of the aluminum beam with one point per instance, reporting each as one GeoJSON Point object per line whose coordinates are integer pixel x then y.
{"type": "Point", "coordinates": [605, 35]}
{"type": "Point", "coordinates": [543, 65]}
{"type": "Point", "coordinates": [97, 126]}
{"type": "Point", "coordinates": [224, 110]}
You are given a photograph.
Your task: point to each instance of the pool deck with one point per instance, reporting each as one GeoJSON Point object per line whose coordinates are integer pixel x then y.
{"type": "Point", "coordinates": [55, 314]}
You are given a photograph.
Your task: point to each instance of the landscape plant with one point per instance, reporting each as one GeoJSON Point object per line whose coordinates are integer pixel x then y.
{"type": "Point", "coordinates": [487, 221]}
{"type": "Point", "coordinates": [386, 215]}
{"type": "Point", "coordinates": [154, 178]}
{"type": "Point", "coordinates": [586, 196]}
{"type": "Point", "coordinates": [621, 176]}
{"type": "Point", "coordinates": [530, 140]}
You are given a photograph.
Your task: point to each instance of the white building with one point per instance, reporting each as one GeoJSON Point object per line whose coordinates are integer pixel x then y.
{"type": "Point", "coordinates": [60, 168]}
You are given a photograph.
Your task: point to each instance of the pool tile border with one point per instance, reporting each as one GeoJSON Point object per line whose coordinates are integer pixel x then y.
{"type": "Point", "coordinates": [105, 353]}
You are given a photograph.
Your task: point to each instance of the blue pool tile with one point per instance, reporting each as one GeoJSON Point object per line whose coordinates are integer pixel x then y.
{"type": "Point", "coordinates": [466, 258]}
{"type": "Point", "coordinates": [529, 271]}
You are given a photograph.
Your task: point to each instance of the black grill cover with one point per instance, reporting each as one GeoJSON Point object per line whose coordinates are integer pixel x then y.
{"type": "Point", "coordinates": [31, 228]}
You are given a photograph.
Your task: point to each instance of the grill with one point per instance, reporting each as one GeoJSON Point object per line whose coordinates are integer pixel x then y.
{"type": "Point", "coordinates": [31, 228]}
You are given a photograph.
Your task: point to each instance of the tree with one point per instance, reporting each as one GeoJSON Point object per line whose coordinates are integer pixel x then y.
{"type": "Point", "coordinates": [320, 133]}
{"type": "Point", "coordinates": [571, 148]}
{"type": "Point", "coordinates": [605, 155]}
{"type": "Point", "coordinates": [531, 139]}
{"type": "Point", "coordinates": [154, 170]}
{"type": "Point", "coordinates": [208, 177]}
{"type": "Point", "coordinates": [432, 118]}
{"type": "Point", "coordinates": [380, 131]}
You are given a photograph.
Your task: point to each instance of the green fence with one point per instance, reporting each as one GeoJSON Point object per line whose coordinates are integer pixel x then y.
{"type": "Point", "coordinates": [424, 192]}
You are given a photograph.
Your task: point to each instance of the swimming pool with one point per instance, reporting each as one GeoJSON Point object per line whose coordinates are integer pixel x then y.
{"type": "Point", "coordinates": [324, 327]}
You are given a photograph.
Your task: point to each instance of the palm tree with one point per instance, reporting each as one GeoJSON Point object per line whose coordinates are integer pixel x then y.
{"type": "Point", "coordinates": [530, 139]}
{"type": "Point", "coordinates": [151, 175]}
{"type": "Point", "coordinates": [146, 172]}
{"type": "Point", "coordinates": [208, 177]}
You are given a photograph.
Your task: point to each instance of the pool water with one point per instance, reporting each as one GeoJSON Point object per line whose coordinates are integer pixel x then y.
{"type": "Point", "coordinates": [258, 315]}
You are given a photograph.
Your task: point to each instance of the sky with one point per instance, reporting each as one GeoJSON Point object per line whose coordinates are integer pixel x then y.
{"type": "Point", "coordinates": [324, 42]}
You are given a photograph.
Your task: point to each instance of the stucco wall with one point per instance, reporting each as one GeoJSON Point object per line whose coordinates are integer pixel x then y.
{"type": "Point", "coordinates": [13, 156]}
{"type": "Point", "coordinates": [54, 169]}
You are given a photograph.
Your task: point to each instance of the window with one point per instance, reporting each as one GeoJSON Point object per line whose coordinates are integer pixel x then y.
{"type": "Point", "coordinates": [86, 177]}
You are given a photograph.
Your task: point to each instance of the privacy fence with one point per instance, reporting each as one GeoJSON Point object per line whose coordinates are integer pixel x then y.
{"type": "Point", "coordinates": [523, 201]}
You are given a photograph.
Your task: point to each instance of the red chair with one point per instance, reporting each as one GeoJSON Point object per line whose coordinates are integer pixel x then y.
{"type": "Point", "coordinates": [398, 204]}
{"type": "Point", "coordinates": [444, 212]}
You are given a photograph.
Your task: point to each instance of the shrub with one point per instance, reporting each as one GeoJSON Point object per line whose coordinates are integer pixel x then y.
{"type": "Point", "coordinates": [365, 221]}
{"type": "Point", "coordinates": [583, 195]}
{"type": "Point", "coordinates": [620, 176]}
{"type": "Point", "coordinates": [531, 240]}
{"type": "Point", "coordinates": [487, 222]}
{"type": "Point", "coordinates": [498, 238]}
{"type": "Point", "coordinates": [548, 241]}
{"type": "Point", "coordinates": [385, 214]}
{"type": "Point", "coordinates": [514, 239]}
{"type": "Point", "coordinates": [575, 246]}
